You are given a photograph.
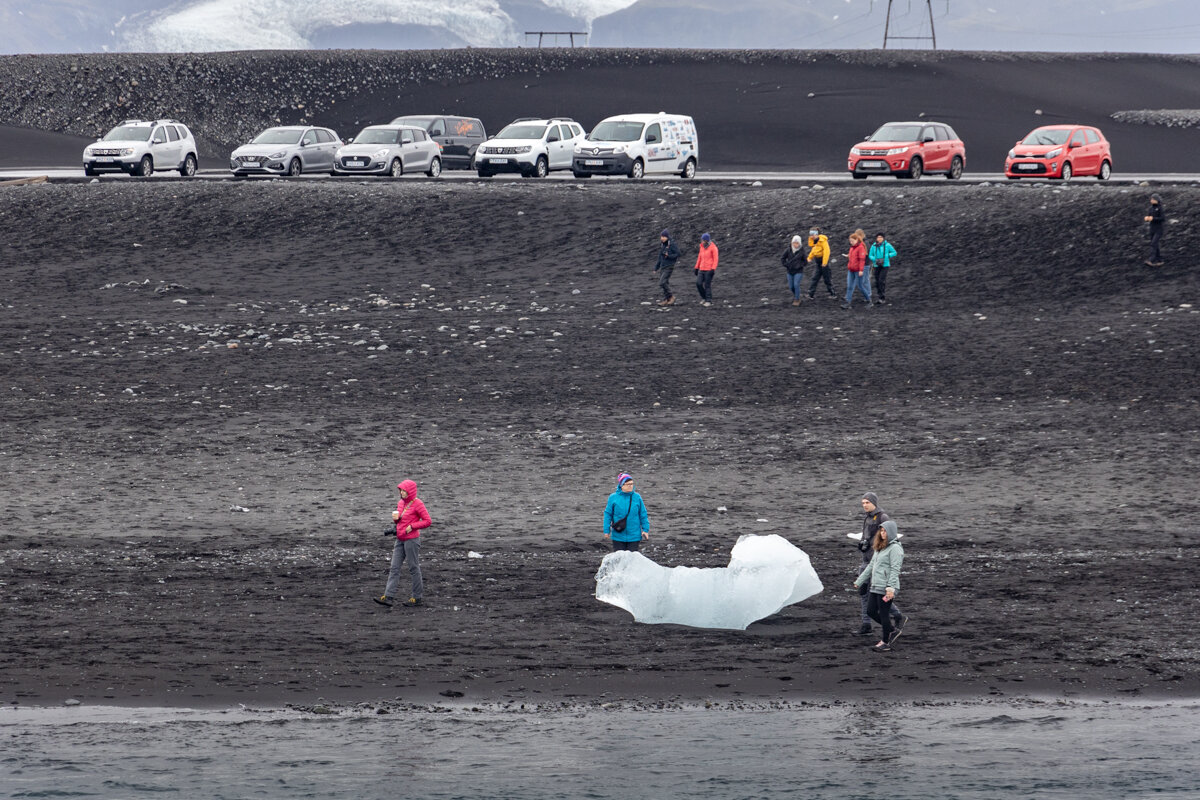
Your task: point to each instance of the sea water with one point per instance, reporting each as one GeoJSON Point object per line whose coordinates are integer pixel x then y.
{"type": "Point", "coordinates": [888, 750]}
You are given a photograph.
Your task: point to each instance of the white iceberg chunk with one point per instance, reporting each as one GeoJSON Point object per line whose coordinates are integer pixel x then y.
{"type": "Point", "coordinates": [765, 573]}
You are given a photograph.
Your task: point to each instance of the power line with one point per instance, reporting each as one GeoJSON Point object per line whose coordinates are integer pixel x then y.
{"type": "Point", "coordinates": [887, 24]}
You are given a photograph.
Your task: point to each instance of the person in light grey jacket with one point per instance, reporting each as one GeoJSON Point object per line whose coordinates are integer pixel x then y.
{"type": "Point", "coordinates": [883, 576]}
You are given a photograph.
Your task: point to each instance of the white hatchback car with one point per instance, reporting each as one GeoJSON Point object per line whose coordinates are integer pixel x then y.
{"type": "Point", "coordinates": [287, 150]}
{"type": "Point", "coordinates": [139, 147]}
{"type": "Point", "coordinates": [389, 150]}
{"type": "Point", "coordinates": [531, 147]}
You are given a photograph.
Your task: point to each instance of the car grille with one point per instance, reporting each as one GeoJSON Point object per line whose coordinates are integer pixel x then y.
{"type": "Point", "coordinates": [1027, 155]}
{"type": "Point", "coordinates": [596, 151]}
{"type": "Point", "coordinates": [1028, 168]}
{"type": "Point", "coordinates": [355, 162]}
{"type": "Point", "coordinates": [501, 151]}
{"type": "Point", "coordinates": [244, 159]}
{"type": "Point", "coordinates": [875, 153]}
{"type": "Point", "coordinates": [105, 152]}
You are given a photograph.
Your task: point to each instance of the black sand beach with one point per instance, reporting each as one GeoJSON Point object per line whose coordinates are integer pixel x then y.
{"type": "Point", "coordinates": [192, 522]}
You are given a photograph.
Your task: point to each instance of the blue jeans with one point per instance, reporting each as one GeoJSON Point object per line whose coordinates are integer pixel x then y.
{"type": "Point", "coordinates": [795, 283]}
{"type": "Point", "coordinates": [860, 281]}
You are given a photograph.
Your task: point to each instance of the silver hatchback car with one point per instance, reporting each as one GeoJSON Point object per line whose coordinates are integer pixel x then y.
{"type": "Point", "coordinates": [288, 150]}
{"type": "Point", "coordinates": [389, 150]}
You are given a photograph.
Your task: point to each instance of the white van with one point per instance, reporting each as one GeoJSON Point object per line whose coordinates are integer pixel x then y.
{"type": "Point", "coordinates": [638, 145]}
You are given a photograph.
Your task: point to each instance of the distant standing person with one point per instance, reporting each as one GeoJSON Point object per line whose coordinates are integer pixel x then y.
{"type": "Point", "coordinates": [410, 517]}
{"type": "Point", "coordinates": [818, 254]}
{"type": "Point", "coordinates": [880, 256]}
{"type": "Point", "coordinates": [1155, 218]}
{"type": "Point", "coordinates": [856, 276]}
{"type": "Point", "coordinates": [881, 578]}
{"type": "Point", "coordinates": [706, 268]}
{"type": "Point", "coordinates": [793, 261]}
{"type": "Point", "coordinates": [668, 254]}
{"type": "Point", "coordinates": [626, 522]}
{"type": "Point", "coordinates": [872, 522]}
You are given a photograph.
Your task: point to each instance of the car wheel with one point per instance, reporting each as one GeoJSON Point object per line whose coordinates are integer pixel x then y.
{"type": "Point", "coordinates": [189, 166]}
{"type": "Point", "coordinates": [689, 170]}
{"type": "Point", "coordinates": [1105, 172]}
{"type": "Point", "coordinates": [638, 170]}
{"type": "Point", "coordinates": [145, 167]}
{"type": "Point", "coordinates": [1067, 171]}
{"type": "Point", "coordinates": [956, 169]}
{"type": "Point", "coordinates": [435, 168]}
{"type": "Point", "coordinates": [396, 169]}
{"type": "Point", "coordinates": [916, 169]}
{"type": "Point", "coordinates": [295, 168]}
{"type": "Point", "coordinates": [542, 168]}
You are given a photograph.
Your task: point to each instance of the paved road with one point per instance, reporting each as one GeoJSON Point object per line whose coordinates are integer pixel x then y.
{"type": "Point", "coordinates": [75, 175]}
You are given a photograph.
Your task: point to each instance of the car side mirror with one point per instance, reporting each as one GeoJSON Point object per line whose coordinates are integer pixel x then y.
{"type": "Point", "coordinates": [350, 140]}
{"type": "Point", "coordinates": [158, 141]}
{"type": "Point", "coordinates": [552, 139]}
{"type": "Point", "coordinates": [651, 140]}
{"type": "Point", "coordinates": [1072, 145]}
{"type": "Point", "coordinates": [927, 139]}
{"type": "Point", "coordinates": [406, 142]}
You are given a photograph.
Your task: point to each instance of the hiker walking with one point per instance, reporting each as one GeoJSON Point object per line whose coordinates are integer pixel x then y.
{"type": "Point", "coordinates": [1155, 218]}
{"type": "Point", "coordinates": [818, 254]}
{"type": "Point", "coordinates": [706, 268]}
{"type": "Point", "coordinates": [856, 276]}
{"type": "Point", "coordinates": [793, 261]}
{"type": "Point", "coordinates": [410, 518]}
{"type": "Point", "coordinates": [626, 522]}
{"type": "Point", "coordinates": [872, 522]}
{"type": "Point", "coordinates": [880, 258]}
{"type": "Point", "coordinates": [668, 254]}
{"type": "Point", "coordinates": [881, 578]}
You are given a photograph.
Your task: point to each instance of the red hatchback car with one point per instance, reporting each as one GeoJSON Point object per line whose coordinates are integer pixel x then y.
{"type": "Point", "coordinates": [1060, 151]}
{"type": "Point", "coordinates": [909, 150]}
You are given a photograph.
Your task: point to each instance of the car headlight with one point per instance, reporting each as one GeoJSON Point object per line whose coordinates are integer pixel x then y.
{"type": "Point", "coordinates": [578, 149]}
{"type": "Point", "coordinates": [1055, 153]}
{"type": "Point", "coordinates": [128, 151]}
{"type": "Point", "coordinates": [854, 151]}
{"type": "Point", "coordinates": [895, 151]}
{"type": "Point", "coordinates": [1012, 153]}
{"type": "Point", "coordinates": [379, 153]}
{"type": "Point", "coordinates": [280, 154]}
{"type": "Point", "coordinates": [524, 148]}
{"type": "Point", "coordinates": [619, 149]}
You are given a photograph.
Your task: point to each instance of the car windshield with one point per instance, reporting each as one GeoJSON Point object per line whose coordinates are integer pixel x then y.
{"type": "Point", "coordinates": [616, 131]}
{"type": "Point", "coordinates": [378, 136]}
{"type": "Point", "coordinates": [416, 122]}
{"type": "Point", "coordinates": [277, 136]}
{"type": "Point", "coordinates": [1041, 136]}
{"type": "Point", "coordinates": [897, 133]}
{"type": "Point", "coordinates": [128, 133]}
{"type": "Point", "coordinates": [522, 131]}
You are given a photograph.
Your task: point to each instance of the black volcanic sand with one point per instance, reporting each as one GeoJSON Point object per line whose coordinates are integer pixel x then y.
{"type": "Point", "coordinates": [765, 109]}
{"type": "Point", "coordinates": [188, 522]}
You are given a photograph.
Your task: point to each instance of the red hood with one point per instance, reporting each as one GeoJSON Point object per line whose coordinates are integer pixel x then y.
{"type": "Point", "coordinates": [408, 486]}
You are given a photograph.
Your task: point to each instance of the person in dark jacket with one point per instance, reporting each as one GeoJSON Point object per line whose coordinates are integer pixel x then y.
{"type": "Point", "coordinates": [793, 260]}
{"type": "Point", "coordinates": [872, 522]}
{"type": "Point", "coordinates": [1155, 218]}
{"type": "Point", "coordinates": [668, 254]}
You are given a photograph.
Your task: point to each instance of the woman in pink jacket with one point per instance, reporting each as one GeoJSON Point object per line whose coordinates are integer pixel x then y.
{"type": "Point", "coordinates": [856, 273]}
{"type": "Point", "coordinates": [410, 518]}
{"type": "Point", "coordinates": [706, 268]}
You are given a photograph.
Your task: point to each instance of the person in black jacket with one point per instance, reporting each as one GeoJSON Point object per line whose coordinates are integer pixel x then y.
{"type": "Point", "coordinates": [1155, 218]}
{"type": "Point", "coordinates": [872, 522]}
{"type": "Point", "coordinates": [668, 254]}
{"type": "Point", "coordinates": [793, 261]}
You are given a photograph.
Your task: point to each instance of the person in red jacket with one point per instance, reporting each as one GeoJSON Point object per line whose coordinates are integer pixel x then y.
{"type": "Point", "coordinates": [856, 273]}
{"type": "Point", "coordinates": [706, 268]}
{"type": "Point", "coordinates": [410, 517]}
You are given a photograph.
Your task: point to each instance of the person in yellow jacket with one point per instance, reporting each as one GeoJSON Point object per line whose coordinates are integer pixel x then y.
{"type": "Point", "coordinates": [818, 255]}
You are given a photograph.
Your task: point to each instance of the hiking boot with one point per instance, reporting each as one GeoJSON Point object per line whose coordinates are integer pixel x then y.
{"type": "Point", "coordinates": [882, 647]}
{"type": "Point", "coordinates": [796, 302]}
{"type": "Point", "coordinates": [670, 301]}
{"type": "Point", "coordinates": [845, 306]}
{"type": "Point", "coordinates": [662, 302]}
{"type": "Point", "coordinates": [864, 629]}
{"type": "Point", "coordinates": [413, 601]}
{"type": "Point", "coordinates": [384, 600]}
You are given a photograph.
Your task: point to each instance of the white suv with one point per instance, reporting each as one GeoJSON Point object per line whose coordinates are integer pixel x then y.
{"type": "Point", "coordinates": [532, 147]}
{"type": "Point", "coordinates": [139, 147]}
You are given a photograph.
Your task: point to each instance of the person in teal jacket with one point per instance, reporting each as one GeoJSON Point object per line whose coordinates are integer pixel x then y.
{"type": "Point", "coordinates": [884, 575]}
{"type": "Point", "coordinates": [626, 522]}
{"type": "Point", "coordinates": [880, 258]}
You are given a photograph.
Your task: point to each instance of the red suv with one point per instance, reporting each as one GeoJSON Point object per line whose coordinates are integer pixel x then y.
{"type": "Point", "coordinates": [909, 150]}
{"type": "Point", "coordinates": [1060, 151]}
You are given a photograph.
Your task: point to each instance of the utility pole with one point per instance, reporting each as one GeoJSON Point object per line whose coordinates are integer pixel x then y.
{"type": "Point", "coordinates": [887, 26]}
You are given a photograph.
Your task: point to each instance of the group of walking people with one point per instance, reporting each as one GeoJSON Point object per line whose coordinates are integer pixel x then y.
{"type": "Point", "coordinates": [862, 263]}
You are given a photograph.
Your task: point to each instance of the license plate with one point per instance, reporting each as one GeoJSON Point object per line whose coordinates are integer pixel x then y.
{"type": "Point", "coordinates": [593, 162]}
{"type": "Point", "coordinates": [1027, 166]}
{"type": "Point", "coordinates": [249, 163]}
{"type": "Point", "coordinates": [104, 160]}
{"type": "Point", "coordinates": [358, 162]}
{"type": "Point", "coordinates": [497, 160]}
{"type": "Point", "coordinates": [874, 164]}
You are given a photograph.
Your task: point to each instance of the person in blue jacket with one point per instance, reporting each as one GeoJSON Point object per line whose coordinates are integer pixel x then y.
{"type": "Point", "coordinates": [626, 522]}
{"type": "Point", "coordinates": [880, 258]}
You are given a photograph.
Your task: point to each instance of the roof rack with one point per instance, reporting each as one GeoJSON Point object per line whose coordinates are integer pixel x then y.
{"type": "Point", "coordinates": [560, 119]}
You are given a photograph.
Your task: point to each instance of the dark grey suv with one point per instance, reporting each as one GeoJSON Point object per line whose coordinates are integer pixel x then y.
{"type": "Point", "coordinates": [459, 137]}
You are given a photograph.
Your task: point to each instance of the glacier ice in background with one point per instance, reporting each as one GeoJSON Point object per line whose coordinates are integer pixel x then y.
{"type": "Point", "coordinates": [765, 573]}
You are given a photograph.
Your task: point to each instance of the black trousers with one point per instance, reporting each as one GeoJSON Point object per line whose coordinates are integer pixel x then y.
{"type": "Point", "coordinates": [880, 610]}
{"type": "Point", "coordinates": [633, 546]}
{"type": "Point", "coordinates": [664, 281]}
{"type": "Point", "coordinates": [881, 281]}
{"type": "Point", "coordinates": [1155, 239]}
{"type": "Point", "coordinates": [704, 280]}
{"type": "Point", "coordinates": [819, 273]}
